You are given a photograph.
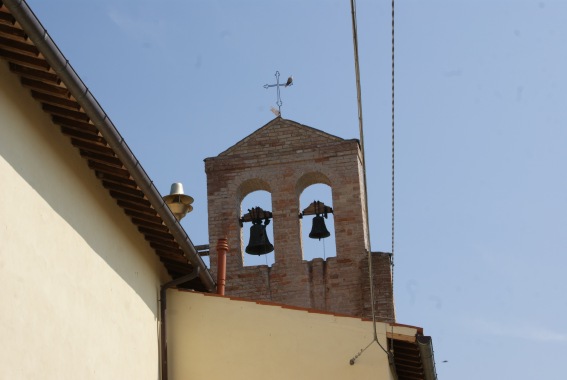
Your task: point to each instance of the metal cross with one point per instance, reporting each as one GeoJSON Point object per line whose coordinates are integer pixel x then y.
{"type": "Point", "coordinates": [277, 86]}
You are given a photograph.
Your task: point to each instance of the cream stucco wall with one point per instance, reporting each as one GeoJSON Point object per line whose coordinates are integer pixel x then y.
{"type": "Point", "coordinates": [78, 283]}
{"type": "Point", "coordinates": [212, 337]}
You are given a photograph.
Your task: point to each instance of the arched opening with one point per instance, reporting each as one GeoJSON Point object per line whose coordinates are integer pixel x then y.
{"type": "Point", "coordinates": [313, 248]}
{"type": "Point", "coordinates": [262, 199]}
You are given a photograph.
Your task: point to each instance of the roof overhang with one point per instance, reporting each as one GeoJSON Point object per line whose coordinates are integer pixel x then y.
{"type": "Point", "coordinates": [33, 56]}
{"type": "Point", "coordinates": [412, 355]}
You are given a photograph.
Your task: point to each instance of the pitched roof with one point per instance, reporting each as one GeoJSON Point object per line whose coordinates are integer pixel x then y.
{"type": "Point", "coordinates": [33, 56]}
{"type": "Point", "coordinates": [281, 134]}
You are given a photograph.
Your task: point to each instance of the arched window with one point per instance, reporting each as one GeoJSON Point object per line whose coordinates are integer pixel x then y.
{"type": "Point", "coordinates": [313, 248]}
{"type": "Point", "coordinates": [262, 199]}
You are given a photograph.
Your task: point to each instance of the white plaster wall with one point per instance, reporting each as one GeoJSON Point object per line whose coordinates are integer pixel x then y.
{"type": "Point", "coordinates": [213, 337]}
{"type": "Point", "coordinates": [78, 283]}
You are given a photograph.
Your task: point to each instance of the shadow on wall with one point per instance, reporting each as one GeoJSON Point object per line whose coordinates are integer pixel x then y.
{"type": "Point", "coordinates": [72, 191]}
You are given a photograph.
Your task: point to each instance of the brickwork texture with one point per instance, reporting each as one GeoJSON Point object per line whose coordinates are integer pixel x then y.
{"type": "Point", "coordinates": [283, 158]}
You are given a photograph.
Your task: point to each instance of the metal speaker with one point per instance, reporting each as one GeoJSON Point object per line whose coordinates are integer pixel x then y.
{"type": "Point", "coordinates": [259, 243]}
{"type": "Point", "coordinates": [319, 229]}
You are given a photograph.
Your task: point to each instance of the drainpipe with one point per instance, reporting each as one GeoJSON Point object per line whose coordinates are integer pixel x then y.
{"type": "Point", "coordinates": [222, 249]}
{"type": "Point", "coordinates": [163, 306]}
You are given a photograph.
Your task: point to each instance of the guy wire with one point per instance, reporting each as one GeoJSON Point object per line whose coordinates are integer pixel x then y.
{"type": "Point", "coordinates": [361, 132]}
{"type": "Point", "coordinates": [393, 165]}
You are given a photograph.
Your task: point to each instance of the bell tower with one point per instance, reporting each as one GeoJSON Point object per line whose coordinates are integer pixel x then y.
{"type": "Point", "coordinates": [283, 158]}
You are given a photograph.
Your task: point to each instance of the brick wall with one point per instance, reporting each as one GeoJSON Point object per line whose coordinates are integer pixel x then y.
{"type": "Point", "coordinates": [284, 158]}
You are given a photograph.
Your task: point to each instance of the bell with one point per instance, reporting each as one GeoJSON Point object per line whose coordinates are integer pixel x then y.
{"type": "Point", "coordinates": [259, 243]}
{"type": "Point", "coordinates": [319, 230]}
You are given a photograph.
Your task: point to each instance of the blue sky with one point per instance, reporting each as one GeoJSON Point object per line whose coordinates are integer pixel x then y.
{"type": "Point", "coordinates": [481, 137]}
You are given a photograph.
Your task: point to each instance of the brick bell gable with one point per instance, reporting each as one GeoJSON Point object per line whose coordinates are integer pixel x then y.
{"type": "Point", "coordinates": [284, 157]}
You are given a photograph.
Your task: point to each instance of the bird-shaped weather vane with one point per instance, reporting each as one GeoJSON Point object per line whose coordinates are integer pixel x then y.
{"type": "Point", "coordinates": [289, 82]}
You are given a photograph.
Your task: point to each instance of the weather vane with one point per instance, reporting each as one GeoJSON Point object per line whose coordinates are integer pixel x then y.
{"type": "Point", "coordinates": [289, 82]}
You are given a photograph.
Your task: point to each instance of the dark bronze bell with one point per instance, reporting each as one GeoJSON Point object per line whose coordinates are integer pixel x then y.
{"type": "Point", "coordinates": [259, 243]}
{"type": "Point", "coordinates": [319, 230]}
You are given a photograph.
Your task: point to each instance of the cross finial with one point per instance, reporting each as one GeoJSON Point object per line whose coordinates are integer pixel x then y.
{"type": "Point", "coordinates": [289, 82]}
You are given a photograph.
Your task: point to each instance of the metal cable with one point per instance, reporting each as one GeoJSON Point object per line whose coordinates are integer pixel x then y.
{"type": "Point", "coordinates": [393, 167]}
{"type": "Point", "coordinates": [393, 135]}
{"type": "Point", "coordinates": [393, 149]}
{"type": "Point", "coordinates": [361, 132]}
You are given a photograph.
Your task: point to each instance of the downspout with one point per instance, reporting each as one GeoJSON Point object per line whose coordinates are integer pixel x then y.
{"type": "Point", "coordinates": [163, 307]}
{"type": "Point", "coordinates": [425, 345]}
{"type": "Point", "coordinates": [222, 249]}
{"type": "Point", "coordinates": [39, 36]}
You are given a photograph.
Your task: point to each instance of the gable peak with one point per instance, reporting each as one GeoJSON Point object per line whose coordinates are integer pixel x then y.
{"type": "Point", "coordinates": [282, 132]}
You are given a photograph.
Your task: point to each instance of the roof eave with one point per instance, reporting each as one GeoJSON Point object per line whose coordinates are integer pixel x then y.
{"type": "Point", "coordinates": [425, 345]}
{"type": "Point", "coordinates": [37, 34]}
